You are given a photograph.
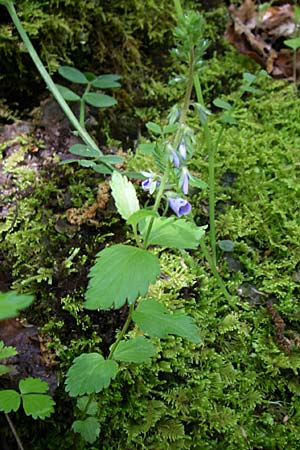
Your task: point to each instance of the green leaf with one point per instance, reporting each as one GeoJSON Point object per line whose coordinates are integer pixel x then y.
{"type": "Point", "coordinates": [89, 429]}
{"type": "Point", "coordinates": [296, 14]}
{"type": "Point", "coordinates": [147, 148]}
{"type": "Point", "coordinates": [84, 150]}
{"type": "Point", "coordinates": [121, 272]}
{"type": "Point", "coordinates": [226, 245]}
{"type": "Point", "coordinates": [139, 215]}
{"type": "Point", "coordinates": [228, 118]}
{"type": "Point", "coordinates": [170, 128]}
{"type": "Point", "coordinates": [154, 319]}
{"type": "Point", "coordinates": [196, 182]}
{"type": "Point", "coordinates": [251, 89]}
{"type": "Point", "coordinates": [136, 350]}
{"type": "Point", "coordinates": [4, 369]}
{"type": "Point", "coordinates": [124, 194]}
{"type": "Point", "coordinates": [33, 385]}
{"type": "Point", "coordinates": [6, 352]}
{"type": "Point", "coordinates": [72, 74]}
{"type": "Point", "coordinates": [11, 302]}
{"type": "Point", "coordinates": [222, 104]}
{"type": "Point", "coordinates": [38, 406]}
{"type": "Point", "coordinates": [9, 400]}
{"type": "Point", "coordinates": [87, 405]}
{"type": "Point", "coordinates": [90, 373]}
{"type": "Point", "coordinates": [249, 77]}
{"type": "Point", "coordinates": [86, 163]}
{"type": "Point", "coordinates": [293, 43]}
{"type": "Point", "coordinates": [101, 168]}
{"type": "Point", "coordinates": [106, 81]}
{"type": "Point", "coordinates": [112, 159]}
{"type": "Point", "coordinates": [156, 129]}
{"type": "Point", "coordinates": [68, 94]}
{"type": "Point", "coordinates": [90, 76]}
{"type": "Point", "coordinates": [173, 233]}
{"type": "Point", "coordinates": [99, 100]}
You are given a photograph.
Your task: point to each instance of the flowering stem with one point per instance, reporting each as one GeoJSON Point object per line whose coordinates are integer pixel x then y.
{"type": "Point", "coordinates": [122, 332]}
{"type": "Point", "coordinates": [48, 80]}
{"type": "Point", "coordinates": [157, 202]}
{"type": "Point", "coordinates": [211, 173]}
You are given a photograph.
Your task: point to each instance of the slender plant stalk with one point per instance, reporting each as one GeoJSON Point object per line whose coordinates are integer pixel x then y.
{"type": "Point", "coordinates": [14, 432]}
{"type": "Point", "coordinates": [157, 202]}
{"type": "Point", "coordinates": [211, 173]}
{"type": "Point", "coordinates": [122, 332]}
{"type": "Point", "coordinates": [215, 273]}
{"type": "Point", "coordinates": [48, 80]}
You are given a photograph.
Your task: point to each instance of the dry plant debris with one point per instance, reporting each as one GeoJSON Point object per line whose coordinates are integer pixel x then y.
{"type": "Point", "coordinates": [260, 34]}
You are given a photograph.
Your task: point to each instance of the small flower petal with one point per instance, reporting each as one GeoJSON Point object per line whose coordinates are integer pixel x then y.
{"type": "Point", "coordinates": [146, 184]}
{"type": "Point", "coordinates": [185, 183]}
{"type": "Point", "coordinates": [176, 161]}
{"type": "Point", "coordinates": [182, 150]}
{"type": "Point", "coordinates": [180, 206]}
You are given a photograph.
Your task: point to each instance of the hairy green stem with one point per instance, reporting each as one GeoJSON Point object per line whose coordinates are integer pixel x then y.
{"type": "Point", "coordinates": [48, 80]}
{"type": "Point", "coordinates": [122, 332]}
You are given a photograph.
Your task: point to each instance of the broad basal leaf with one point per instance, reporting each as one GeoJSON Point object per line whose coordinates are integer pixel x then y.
{"type": "Point", "coordinates": [124, 194]}
{"type": "Point", "coordinates": [38, 406]}
{"type": "Point", "coordinates": [99, 100]}
{"type": "Point", "coordinates": [173, 233]}
{"type": "Point", "coordinates": [136, 350]}
{"type": "Point", "coordinates": [154, 319]}
{"type": "Point", "coordinates": [90, 373]}
{"type": "Point", "coordinates": [121, 272]}
{"type": "Point", "coordinates": [72, 74]}
{"type": "Point", "coordinates": [89, 428]}
{"type": "Point", "coordinates": [11, 302]}
{"type": "Point", "coordinates": [33, 385]}
{"type": "Point", "coordinates": [9, 400]}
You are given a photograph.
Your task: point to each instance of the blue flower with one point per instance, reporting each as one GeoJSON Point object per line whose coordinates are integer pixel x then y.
{"type": "Point", "coordinates": [176, 161]}
{"type": "Point", "coordinates": [185, 181]}
{"type": "Point", "coordinates": [180, 206]}
{"type": "Point", "coordinates": [146, 184]}
{"type": "Point", "coordinates": [182, 150]}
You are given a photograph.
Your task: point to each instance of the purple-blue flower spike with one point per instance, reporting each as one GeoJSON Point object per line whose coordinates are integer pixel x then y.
{"type": "Point", "coordinates": [182, 150]}
{"type": "Point", "coordinates": [180, 206]}
{"type": "Point", "coordinates": [176, 161]}
{"type": "Point", "coordinates": [146, 184]}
